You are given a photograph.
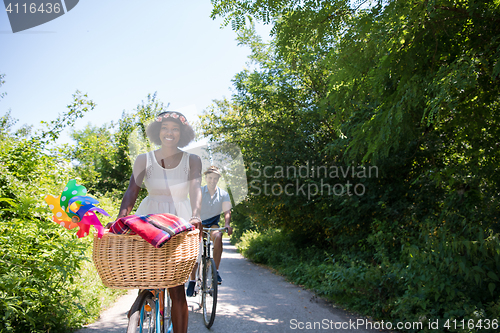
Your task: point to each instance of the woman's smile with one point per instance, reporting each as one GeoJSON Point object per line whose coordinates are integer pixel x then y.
{"type": "Point", "coordinates": [170, 132]}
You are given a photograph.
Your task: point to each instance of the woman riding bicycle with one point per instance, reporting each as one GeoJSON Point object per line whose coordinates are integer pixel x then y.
{"type": "Point", "coordinates": [169, 175]}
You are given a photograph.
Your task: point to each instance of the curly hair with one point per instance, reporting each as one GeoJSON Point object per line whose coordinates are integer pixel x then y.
{"type": "Point", "coordinates": [187, 132]}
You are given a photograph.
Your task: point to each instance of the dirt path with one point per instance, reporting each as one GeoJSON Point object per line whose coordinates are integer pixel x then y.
{"type": "Point", "coordinates": [251, 299]}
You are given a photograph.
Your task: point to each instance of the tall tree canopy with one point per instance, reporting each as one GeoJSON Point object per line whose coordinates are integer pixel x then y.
{"type": "Point", "coordinates": [409, 68]}
{"type": "Point", "coordinates": [409, 87]}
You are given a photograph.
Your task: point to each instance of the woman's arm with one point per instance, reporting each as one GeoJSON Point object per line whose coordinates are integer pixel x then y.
{"type": "Point", "coordinates": [129, 198]}
{"type": "Point", "coordinates": [195, 188]}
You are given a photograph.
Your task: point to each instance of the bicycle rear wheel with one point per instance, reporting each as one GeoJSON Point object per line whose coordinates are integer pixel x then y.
{"type": "Point", "coordinates": [143, 314]}
{"type": "Point", "coordinates": [209, 291]}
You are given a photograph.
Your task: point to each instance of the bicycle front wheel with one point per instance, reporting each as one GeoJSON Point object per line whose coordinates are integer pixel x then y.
{"type": "Point", "coordinates": [143, 314]}
{"type": "Point", "coordinates": [209, 291]}
{"type": "Point", "coordinates": [167, 319]}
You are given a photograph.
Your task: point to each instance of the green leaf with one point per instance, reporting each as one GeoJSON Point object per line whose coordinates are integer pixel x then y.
{"type": "Point", "coordinates": [493, 276]}
{"type": "Point", "coordinates": [491, 287]}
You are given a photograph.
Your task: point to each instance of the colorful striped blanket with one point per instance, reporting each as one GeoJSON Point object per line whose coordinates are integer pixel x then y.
{"type": "Point", "coordinates": [156, 229]}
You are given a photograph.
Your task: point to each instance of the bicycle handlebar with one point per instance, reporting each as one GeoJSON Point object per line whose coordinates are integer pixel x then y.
{"type": "Point", "coordinates": [215, 229]}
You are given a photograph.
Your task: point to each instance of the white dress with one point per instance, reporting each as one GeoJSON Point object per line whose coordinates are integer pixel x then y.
{"type": "Point", "coordinates": [157, 179]}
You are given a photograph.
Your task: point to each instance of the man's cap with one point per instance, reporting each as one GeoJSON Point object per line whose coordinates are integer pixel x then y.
{"type": "Point", "coordinates": [212, 169]}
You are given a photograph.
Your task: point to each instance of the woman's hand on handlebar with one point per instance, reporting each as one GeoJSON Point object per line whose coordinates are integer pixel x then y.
{"type": "Point", "coordinates": [196, 222]}
{"type": "Point", "coordinates": [111, 223]}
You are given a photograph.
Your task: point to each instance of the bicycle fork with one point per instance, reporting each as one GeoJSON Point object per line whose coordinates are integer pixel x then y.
{"type": "Point", "coordinates": [157, 317]}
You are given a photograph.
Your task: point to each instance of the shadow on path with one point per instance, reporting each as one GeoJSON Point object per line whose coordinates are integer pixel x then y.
{"type": "Point", "coordinates": [251, 299]}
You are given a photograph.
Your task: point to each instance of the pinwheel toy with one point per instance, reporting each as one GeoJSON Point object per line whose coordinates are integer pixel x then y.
{"type": "Point", "coordinates": [74, 209]}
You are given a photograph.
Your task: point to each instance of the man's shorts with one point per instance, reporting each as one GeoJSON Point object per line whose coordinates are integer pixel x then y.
{"type": "Point", "coordinates": [212, 225]}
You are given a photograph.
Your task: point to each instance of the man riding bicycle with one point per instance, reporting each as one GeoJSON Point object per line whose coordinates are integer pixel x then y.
{"type": "Point", "coordinates": [214, 200]}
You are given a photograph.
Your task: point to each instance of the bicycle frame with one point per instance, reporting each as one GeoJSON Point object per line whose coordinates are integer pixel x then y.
{"type": "Point", "coordinates": [207, 241]}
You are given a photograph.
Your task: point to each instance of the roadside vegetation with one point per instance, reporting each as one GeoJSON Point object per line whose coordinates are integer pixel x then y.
{"type": "Point", "coordinates": [48, 282]}
{"type": "Point", "coordinates": [409, 89]}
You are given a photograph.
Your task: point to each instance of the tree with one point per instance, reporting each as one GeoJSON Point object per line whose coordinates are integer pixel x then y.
{"type": "Point", "coordinates": [411, 87]}
{"type": "Point", "coordinates": [93, 153]}
{"type": "Point", "coordinates": [401, 64]}
{"type": "Point", "coordinates": [103, 156]}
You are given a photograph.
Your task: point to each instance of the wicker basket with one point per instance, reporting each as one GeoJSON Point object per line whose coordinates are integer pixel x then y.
{"type": "Point", "coordinates": [129, 262]}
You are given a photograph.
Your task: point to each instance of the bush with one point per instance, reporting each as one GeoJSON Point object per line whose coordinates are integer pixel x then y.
{"type": "Point", "coordinates": [426, 285]}
{"type": "Point", "coordinates": [39, 264]}
{"type": "Point", "coordinates": [47, 281]}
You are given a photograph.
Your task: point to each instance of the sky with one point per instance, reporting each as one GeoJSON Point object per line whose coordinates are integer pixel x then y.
{"type": "Point", "coordinates": [118, 52]}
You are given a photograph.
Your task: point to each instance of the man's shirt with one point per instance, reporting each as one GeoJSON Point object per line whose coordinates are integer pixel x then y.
{"type": "Point", "coordinates": [211, 207]}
